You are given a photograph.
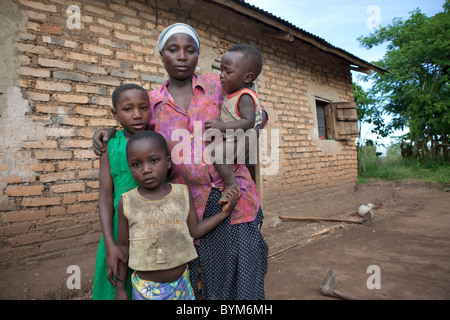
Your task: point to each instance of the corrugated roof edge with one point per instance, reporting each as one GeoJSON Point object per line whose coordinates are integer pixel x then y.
{"type": "Point", "coordinates": [344, 54]}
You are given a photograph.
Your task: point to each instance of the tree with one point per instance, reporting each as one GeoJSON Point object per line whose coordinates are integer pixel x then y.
{"type": "Point", "coordinates": [367, 113]}
{"type": "Point", "coordinates": [416, 92]}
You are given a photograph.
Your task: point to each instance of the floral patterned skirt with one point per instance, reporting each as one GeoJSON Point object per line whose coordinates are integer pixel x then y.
{"type": "Point", "coordinates": [180, 289]}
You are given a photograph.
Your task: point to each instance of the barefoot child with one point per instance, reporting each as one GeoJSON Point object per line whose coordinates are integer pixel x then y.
{"type": "Point", "coordinates": [240, 66]}
{"type": "Point", "coordinates": [157, 224]}
{"type": "Point", "coordinates": [131, 109]}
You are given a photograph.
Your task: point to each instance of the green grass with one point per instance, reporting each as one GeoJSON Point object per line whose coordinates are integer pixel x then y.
{"type": "Point", "coordinates": [394, 168]}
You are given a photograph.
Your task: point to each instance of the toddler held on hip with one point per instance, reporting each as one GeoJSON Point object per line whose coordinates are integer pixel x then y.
{"type": "Point", "coordinates": [241, 111]}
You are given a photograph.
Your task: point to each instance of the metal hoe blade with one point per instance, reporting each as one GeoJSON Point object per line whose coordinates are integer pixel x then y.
{"type": "Point", "coordinates": [367, 219]}
{"type": "Point", "coordinates": [328, 289]}
{"type": "Point", "coordinates": [330, 283]}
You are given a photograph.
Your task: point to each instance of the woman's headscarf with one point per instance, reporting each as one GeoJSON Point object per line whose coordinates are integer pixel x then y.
{"type": "Point", "coordinates": [177, 28]}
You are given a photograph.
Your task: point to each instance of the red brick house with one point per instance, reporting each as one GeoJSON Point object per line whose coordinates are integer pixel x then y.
{"type": "Point", "coordinates": [61, 61]}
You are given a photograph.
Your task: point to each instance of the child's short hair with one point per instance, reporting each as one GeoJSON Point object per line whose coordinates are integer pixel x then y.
{"type": "Point", "coordinates": [251, 56]}
{"type": "Point", "coordinates": [148, 134]}
{"type": "Point", "coordinates": [125, 87]}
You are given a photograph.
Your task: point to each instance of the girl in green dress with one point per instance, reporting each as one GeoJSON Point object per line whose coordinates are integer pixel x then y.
{"type": "Point", "coordinates": [131, 110]}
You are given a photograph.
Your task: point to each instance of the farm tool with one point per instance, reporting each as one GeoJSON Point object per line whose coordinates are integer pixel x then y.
{"type": "Point", "coordinates": [328, 289]}
{"type": "Point", "coordinates": [366, 220]}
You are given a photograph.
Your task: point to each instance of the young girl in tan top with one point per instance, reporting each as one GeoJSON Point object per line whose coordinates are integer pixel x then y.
{"type": "Point", "coordinates": [157, 223]}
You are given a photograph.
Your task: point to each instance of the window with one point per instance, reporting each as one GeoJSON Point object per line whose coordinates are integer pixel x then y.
{"type": "Point", "coordinates": [337, 120]}
{"type": "Point", "coordinates": [321, 119]}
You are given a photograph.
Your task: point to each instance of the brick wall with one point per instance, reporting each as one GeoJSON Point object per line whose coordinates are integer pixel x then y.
{"type": "Point", "coordinates": [56, 90]}
{"type": "Point", "coordinates": [309, 167]}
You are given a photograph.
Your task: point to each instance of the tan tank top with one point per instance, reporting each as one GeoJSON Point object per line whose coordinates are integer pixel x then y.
{"type": "Point", "coordinates": [158, 230]}
{"type": "Point", "coordinates": [230, 110]}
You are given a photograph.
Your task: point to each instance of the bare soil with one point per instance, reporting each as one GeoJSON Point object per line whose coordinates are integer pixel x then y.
{"type": "Point", "coordinates": [409, 241]}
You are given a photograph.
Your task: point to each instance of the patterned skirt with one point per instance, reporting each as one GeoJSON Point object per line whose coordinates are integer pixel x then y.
{"type": "Point", "coordinates": [232, 259]}
{"type": "Point", "coordinates": [180, 289]}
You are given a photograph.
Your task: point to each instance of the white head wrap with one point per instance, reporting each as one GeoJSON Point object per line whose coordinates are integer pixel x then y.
{"type": "Point", "coordinates": [177, 28]}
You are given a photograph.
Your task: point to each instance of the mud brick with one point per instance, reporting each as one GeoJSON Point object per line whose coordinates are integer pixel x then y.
{"type": "Point", "coordinates": [20, 191]}
{"type": "Point", "coordinates": [97, 49]}
{"type": "Point", "coordinates": [45, 62]}
{"type": "Point", "coordinates": [65, 75]}
{"type": "Point", "coordinates": [82, 57]}
{"type": "Point", "coordinates": [71, 98]}
{"type": "Point", "coordinates": [52, 154]}
{"type": "Point", "coordinates": [34, 72]}
{"type": "Point", "coordinates": [41, 202]}
{"type": "Point", "coordinates": [38, 5]}
{"type": "Point", "coordinates": [53, 86]}
{"type": "Point", "coordinates": [69, 187]}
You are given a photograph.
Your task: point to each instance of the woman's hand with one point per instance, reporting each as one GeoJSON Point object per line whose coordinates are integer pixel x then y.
{"type": "Point", "coordinates": [102, 136]}
{"type": "Point", "coordinates": [228, 207]}
{"type": "Point", "coordinates": [229, 191]}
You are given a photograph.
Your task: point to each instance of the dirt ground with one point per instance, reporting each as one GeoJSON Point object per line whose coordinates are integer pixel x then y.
{"type": "Point", "coordinates": [409, 242]}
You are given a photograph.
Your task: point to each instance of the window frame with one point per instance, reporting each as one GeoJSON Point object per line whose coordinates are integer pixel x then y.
{"type": "Point", "coordinates": [341, 120]}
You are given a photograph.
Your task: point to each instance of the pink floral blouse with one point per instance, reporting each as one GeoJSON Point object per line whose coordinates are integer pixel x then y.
{"type": "Point", "coordinates": [184, 130]}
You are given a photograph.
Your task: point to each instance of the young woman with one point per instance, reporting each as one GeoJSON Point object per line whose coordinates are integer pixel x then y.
{"type": "Point", "coordinates": [232, 259]}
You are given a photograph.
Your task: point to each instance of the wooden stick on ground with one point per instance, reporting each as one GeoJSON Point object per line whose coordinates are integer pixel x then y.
{"type": "Point", "coordinates": [305, 240]}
